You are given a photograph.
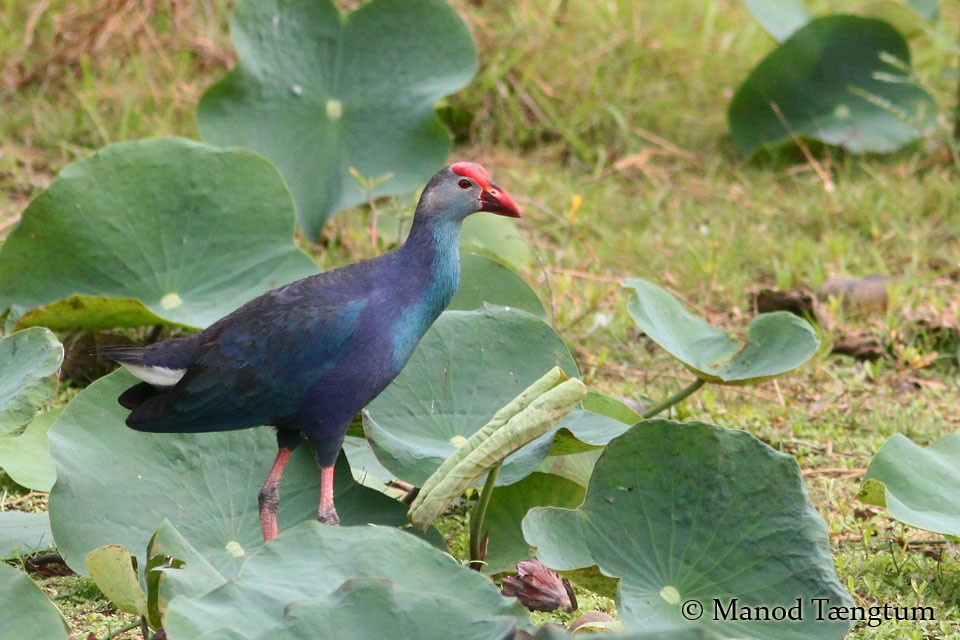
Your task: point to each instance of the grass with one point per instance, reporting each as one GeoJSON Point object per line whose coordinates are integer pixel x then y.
{"type": "Point", "coordinates": [87, 609]}
{"type": "Point", "coordinates": [608, 120]}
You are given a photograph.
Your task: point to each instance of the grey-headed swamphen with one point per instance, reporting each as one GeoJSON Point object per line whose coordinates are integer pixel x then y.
{"type": "Point", "coordinates": [306, 357]}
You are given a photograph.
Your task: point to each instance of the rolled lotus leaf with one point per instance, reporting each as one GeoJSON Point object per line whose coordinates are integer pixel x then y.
{"type": "Point", "coordinates": [531, 415]}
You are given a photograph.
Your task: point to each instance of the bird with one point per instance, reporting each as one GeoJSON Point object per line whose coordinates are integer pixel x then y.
{"type": "Point", "coordinates": [306, 357]}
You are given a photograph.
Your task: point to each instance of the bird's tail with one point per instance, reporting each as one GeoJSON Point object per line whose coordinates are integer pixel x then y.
{"type": "Point", "coordinates": [122, 353]}
{"type": "Point", "coordinates": [128, 354]}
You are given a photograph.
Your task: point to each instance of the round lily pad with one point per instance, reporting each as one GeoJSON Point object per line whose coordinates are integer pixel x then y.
{"type": "Point", "coordinates": [687, 515]}
{"type": "Point", "coordinates": [483, 281]}
{"type": "Point", "coordinates": [27, 613]}
{"type": "Point", "coordinates": [22, 532]}
{"type": "Point", "coordinates": [346, 582]}
{"type": "Point", "coordinates": [324, 94]}
{"type": "Point", "coordinates": [29, 361]}
{"type": "Point", "coordinates": [917, 485]}
{"type": "Point", "coordinates": [162, 231]}
{"type": "Point", "coordinates": [776, 342]}
{"type": "Point", "coordinates": [497, 237]}
{"type": "Point", "coordinates": [26, 458]}
{"type": "Point", "coordinates": [362, 608]}
{"type": "Point", "coordinates": [839, 79]}
{"type": "Point", "coordinates": [779, 17]}
{"type": "Point", "coordinates": [508, 505]}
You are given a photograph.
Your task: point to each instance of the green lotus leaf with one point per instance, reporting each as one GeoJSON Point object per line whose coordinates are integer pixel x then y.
{"type": "Point", "coordinates": [26, 458]}
{"type": "Point", "coordinates": [362, 608]}
{"type": "Point", "coordinates": [205, 484]}
{"type": "Point", "coordinates": [94, 313]}
{"type": "Point", "coordinates": [29, 361]}
{"type": "Point", "coordinates": [575, 467]}
{"type": "Point", "coordinates": [694, 513]}
{"type": "Point", "coordinates": [163, 231]}
{"type": "Point", "coordinates": [840, 79]}
{"type": "Point", "coordinates": [905, 18]}
{"type": "Point", "coordinates": [115, 572]}
{"type": "Point", "coordinates": [463, 371]}
{"type": "Point", "coordinates": [27, 613]}
{"type": "Point", "coordinates": [776, 342]}
{"type": "Point", "coordinates": [485, 281]}
{"type": "Point", "coordinates": [497, 237]}
{"type": "Point", "coordinates": [175, 568]}
{"type": "Point", "coordinates": [22, 532]}
{"type": "Point", "coordinates": [367, 470]}
{"type": "Point", "coordinates": [599, 420]}
{"type": "Point", "coordinates": [926, 9]}
{"type": "Point", "coordinates": [779, 17]}
{"type": "Point", "coordinates": [917, 485]}
{"type": "Point", "coordinates": [322, 93]}
{"type": "Point", "coordinates": [508, 505]}
{"type": "Point", "coordinates": [347, 582]}
{"type": "Point", "coordinates": [604, 405]}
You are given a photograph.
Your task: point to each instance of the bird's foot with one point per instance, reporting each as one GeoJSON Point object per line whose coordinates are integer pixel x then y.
{"type": "Point", "coordinates": [329, 516]}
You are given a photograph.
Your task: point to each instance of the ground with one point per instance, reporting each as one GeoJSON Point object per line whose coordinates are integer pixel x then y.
{"type": "Point", "coordinates": [607, 122]}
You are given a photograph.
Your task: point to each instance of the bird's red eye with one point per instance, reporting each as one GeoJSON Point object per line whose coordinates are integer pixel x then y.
{"type": "Point", "coordinates": [465, 184]}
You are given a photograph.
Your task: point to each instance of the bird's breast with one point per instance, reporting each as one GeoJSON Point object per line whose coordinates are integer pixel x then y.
{"type": "Point", "coordinates": [414, 318]}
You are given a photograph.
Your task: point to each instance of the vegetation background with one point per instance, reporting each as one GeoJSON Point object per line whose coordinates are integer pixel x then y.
{"type": "Point", "coordinates": [607, 120]}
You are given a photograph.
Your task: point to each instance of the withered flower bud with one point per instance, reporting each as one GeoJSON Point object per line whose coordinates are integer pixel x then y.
{"type": "Point", "coordinates": [539, 588]}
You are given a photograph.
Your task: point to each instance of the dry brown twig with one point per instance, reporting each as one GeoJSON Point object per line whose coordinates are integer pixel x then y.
{"type": "Point", "coordinates": [822, 173]}
{"type": "Point", "coordinates": [23, 498]}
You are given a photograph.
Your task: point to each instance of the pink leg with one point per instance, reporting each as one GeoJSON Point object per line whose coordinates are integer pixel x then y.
{"type": "Point", "coordinates": [327, 513]}
{"type": "Point", "coordinates": [269, 497]}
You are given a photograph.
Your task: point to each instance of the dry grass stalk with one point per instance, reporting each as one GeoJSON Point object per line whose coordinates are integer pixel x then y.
{"type": "Point", "coordinates": [115, 30]}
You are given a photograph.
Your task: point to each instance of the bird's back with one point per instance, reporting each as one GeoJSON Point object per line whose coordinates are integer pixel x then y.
{"type": "Point", "coordinates": [306, 356]}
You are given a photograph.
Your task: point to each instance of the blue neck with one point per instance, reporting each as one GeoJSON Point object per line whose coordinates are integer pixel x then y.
{"type": "Point", "coordinates": [435, 245]}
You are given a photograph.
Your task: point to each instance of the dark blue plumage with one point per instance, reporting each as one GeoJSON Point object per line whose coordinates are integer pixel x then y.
{"type": "Point", "coordinates": [306, 357]}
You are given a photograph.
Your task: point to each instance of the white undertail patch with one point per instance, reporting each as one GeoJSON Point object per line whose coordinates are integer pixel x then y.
{"type": "Point", "coordinates": [157, 376]}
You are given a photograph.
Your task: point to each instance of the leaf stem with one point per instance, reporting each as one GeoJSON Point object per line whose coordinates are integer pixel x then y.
{"type": "Point", "coordinates": [129, 627]}
{"type": "Point", "coordinates": [676, 398]}
{"type": "Point", "coordinates": [476, 518]}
